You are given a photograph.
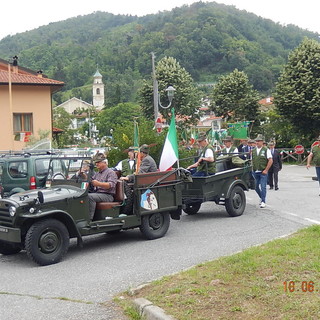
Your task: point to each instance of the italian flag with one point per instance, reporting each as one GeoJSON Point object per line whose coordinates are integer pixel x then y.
{"type": "Point", "coordinates": [170, 153]}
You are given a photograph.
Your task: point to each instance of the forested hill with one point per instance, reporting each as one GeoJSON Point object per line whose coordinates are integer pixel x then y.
{"type": "Point", "coordinates": [208, 39]}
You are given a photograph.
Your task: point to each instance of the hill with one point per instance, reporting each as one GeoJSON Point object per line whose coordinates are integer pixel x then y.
{"type": "Point", "coordinates": [208, 39]}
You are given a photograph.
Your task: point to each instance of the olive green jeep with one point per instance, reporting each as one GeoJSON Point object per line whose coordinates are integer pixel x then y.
{"type": "Point", "coordinates": [42, 221]}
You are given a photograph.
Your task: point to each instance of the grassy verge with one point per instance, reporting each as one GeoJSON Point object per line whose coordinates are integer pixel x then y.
{"type": "Point", "coordinates": [277, 280]}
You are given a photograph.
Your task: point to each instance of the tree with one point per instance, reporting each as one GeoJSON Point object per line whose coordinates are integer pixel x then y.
{"type": "Point", "coordinates": [63, 120]}
{"type": "Point", "coordinates": [297, 94]}
{"type": "Point", "coordinates": [234, 97]}
{"type": "Point", "coordinates": [110, 117]}
{"type": "Point", "coordinates": [187, 98]}
{"type": "Point", "coordinates": [123, 138]}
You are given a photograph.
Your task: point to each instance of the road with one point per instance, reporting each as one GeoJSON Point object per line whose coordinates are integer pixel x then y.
{"type": "Point", "coordinates": [83, 284]}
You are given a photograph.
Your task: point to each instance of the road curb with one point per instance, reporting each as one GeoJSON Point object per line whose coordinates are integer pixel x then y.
{"type": "Point", "coordinates": [149, 311]}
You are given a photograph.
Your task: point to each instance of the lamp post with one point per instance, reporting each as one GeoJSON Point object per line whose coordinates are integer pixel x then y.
{"type": "Point", "coordinates": [170, 92]}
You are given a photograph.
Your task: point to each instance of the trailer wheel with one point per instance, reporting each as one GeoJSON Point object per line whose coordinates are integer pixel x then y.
{"type": "Point", "coordinates": [193, 208]}
{"type": "Point", "coordinates": [47, 241]}
{"type": "Point", "coordinates": [236, 203]}
{"type": "Point", "coordinates": [154, 226]}
{"type": "Point", "coordinates": [9, 248]}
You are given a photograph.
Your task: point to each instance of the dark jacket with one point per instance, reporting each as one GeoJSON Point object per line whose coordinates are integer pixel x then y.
{"type": "Point", "coordinates": [242, 148]}
{"type": "Point", "coordinates": [277, 163]}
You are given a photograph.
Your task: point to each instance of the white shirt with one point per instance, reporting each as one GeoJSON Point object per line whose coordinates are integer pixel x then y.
{"type": "Point", "coordinates": [119, 165]}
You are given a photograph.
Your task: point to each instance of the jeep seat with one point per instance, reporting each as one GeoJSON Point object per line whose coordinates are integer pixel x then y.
{"type": "Point", "coordinates": [119, 197]}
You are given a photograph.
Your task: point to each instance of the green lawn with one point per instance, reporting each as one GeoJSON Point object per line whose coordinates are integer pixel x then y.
{"type": "Point", "coordinates": [277, 280]}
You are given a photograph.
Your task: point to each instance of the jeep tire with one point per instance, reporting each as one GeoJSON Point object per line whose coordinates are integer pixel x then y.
{"type": "Point", "coordinates": [154, 226]}
{"type": "Point", "coordinates": [47, 241]}
{"type": "Point", "coordinates": [236, 203]}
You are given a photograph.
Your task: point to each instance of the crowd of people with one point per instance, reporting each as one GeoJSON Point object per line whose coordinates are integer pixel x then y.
{"type": "Point", "coordinates": [265, 159]}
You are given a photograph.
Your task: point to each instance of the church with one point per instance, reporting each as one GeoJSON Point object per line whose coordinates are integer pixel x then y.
{"type": "Point", "coordinates": [75, 105]}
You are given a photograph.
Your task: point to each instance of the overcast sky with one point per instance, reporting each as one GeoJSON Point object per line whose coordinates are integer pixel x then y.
{"type": "Point", "coordinates": [24, 15]}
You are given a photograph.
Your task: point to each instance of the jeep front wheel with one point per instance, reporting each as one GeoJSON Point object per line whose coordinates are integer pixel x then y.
{"type": "Point", "coordinates": [47, 241]}
{"type": "Point", "coordinates": [9, 248]}
{"type": "Point", "coordinates": [154, 226]}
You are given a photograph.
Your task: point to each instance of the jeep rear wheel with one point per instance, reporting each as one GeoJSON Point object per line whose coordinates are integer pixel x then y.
{"type": "Point", "coordinates": [9, 248]}
{"type": "Point", "coordinates": [236, 203]}
{"type": "Point", "coordinates": [154, 226]}
{"type": "Point", "coordinates": [47, 241]}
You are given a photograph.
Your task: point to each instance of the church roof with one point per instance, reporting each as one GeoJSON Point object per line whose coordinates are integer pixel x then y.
{"type": "Point", "coordinates": [97, 74]}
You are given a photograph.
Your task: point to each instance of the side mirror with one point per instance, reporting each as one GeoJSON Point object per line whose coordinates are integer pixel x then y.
{"type": "Point", "coordinates": [40, 197]}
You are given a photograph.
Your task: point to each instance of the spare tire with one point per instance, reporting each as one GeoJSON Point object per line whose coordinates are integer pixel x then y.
{"type": "Point", "coordinates": [127, 207]}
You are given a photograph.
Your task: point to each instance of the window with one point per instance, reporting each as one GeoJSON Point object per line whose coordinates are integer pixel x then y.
{"type": "Point", "coordinates": [22, 122]}
{"type": "Point", "coordinates": [98, 91]}
{"type": "Point", "coordinates": [18, 169]}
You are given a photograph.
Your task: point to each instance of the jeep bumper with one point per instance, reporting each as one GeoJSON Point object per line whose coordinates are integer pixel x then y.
{"type": "Point", "coordinates": [10, 234]}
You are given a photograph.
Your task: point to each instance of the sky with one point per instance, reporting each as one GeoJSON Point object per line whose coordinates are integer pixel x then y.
{"type": "Point", "coordinates": [25, 15]}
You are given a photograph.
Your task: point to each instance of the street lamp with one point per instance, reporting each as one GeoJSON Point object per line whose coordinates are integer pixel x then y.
{"type": "Point", "coordinates": [170, 92]}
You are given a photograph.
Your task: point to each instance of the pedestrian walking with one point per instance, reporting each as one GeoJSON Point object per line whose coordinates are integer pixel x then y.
{"type": "Point", "coordinates": [314, 156]}
{"type": "Point", "coordinates": [275, 168]}
{"type": "Point", "coordinates": [262, 161]}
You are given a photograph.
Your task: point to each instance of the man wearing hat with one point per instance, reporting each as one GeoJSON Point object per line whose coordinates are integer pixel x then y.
{"type": "Point", "coordinates": [127, 166]}
{"type": "Point", "coordinates": [205, 165]}
{"type": "Point", "coordinates": [104, 182]}
{"type": "Point", "coordinates": [228, 146]}
{"type": "Point", "coordinates": [262, 161]}
{"type": "Point", "coordinates": [314, 156]}
{"type": "Point", "coordinates": [147, 163]}
{"type": "Point", "coordinates": [275, 168]}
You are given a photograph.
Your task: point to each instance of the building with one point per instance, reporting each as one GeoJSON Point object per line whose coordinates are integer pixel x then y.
{"type": "Point", "coordinates": [26, 104]}
{"type": "Point", "coordinates": [98, 91]}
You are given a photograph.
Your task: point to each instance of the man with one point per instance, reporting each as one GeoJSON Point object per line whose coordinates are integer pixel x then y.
{"type": "Point", "coordinates": [314, 156]}
{"type": "Point", "coordinates": [127, 166]}
{"type": "Point", "coordinates": [205, 166]}
{"type": "Point", "coordinates": [275, 168]}
{"type": "Point", "coordinates": [262, 161]}
{"type": "Point", "coordinates": [147, 163]}
{"type": "Point", "coordinates": [104, 182]}
{"type": "Point", "coordinates": [228, 146]}
{"type": "Point", "coordinates": [244, 149]}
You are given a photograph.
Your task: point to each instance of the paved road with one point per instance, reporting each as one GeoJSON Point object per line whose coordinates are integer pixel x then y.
{"type": "Point", "coordinates": [82, 285]}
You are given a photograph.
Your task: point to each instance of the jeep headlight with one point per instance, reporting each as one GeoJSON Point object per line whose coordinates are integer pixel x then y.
{"type": "Point", "coordinates": [12, 211]}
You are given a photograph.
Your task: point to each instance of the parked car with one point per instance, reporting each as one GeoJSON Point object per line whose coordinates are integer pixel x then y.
{"type": "Point", "coordinates": [23, 171]}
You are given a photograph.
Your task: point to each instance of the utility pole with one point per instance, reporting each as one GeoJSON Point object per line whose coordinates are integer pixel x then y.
{"type": "Point", "coordinates": [155, 89]}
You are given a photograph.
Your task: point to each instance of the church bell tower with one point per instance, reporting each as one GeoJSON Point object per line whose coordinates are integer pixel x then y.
{"type": "Point", "coordinates": [98, 91]}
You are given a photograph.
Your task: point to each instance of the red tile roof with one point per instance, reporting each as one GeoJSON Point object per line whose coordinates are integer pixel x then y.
{"type": "Point", "coordinates": [18, 78]}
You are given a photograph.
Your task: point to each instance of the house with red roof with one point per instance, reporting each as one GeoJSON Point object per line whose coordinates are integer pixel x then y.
{"type": "Point", "coordinates": [25, 102]}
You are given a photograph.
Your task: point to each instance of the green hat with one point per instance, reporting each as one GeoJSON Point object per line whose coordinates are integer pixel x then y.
{"type": "Point", "coordinates": [259, 137]}
{"type": "Point", "coordinates": [227, 138]}
{"type": "Point", "coordinates": [202, 137]}
{"type": "Point", "coordinates": [144, 148]}
{"type": "Point", "coordinates": [99, 157]}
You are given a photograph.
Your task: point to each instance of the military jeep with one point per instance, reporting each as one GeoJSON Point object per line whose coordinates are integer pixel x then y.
{"type": "Point", "coordinates": [42, 221]}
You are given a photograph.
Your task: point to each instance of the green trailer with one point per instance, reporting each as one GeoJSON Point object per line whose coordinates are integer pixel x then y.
{"type": "Point", "coordinates": [226, 188]}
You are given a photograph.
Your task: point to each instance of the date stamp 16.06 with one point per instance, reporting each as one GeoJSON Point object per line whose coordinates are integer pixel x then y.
{"type": "Point", "coordinates": [299, 286]}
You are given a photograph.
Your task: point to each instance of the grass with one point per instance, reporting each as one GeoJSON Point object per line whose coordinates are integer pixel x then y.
{"type": "Point", "coordinates": [277, 280]}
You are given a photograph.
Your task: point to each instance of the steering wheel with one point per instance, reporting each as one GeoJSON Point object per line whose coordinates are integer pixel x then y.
{"type": "Point", "coordinates": [58, 176]}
